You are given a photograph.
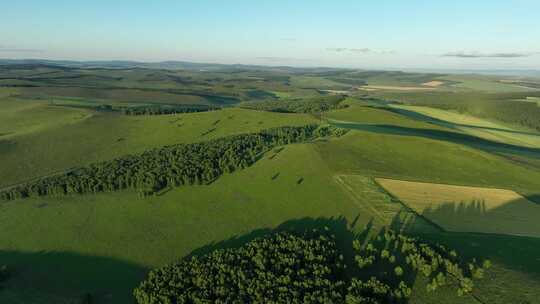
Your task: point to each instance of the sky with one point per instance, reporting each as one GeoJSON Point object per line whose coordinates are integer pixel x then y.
{"type": "Point", "coordinates": [458, 34]}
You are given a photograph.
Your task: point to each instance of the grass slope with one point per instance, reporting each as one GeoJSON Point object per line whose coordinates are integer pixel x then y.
{"type": "Point", "coordinates": [292, 184]}
{"type": "Point", "coordinates": [19, 117]}
{"type": "Point", "coordinates": [387, 144]}
{"type": "Point", "coordinates": [421, 159]}
{"type": "Point", "coordinates": [104, 136]}
{"type": "Point", "coordinates": [479, 127]}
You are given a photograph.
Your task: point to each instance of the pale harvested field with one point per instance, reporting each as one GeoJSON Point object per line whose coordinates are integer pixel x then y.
{"type": "Point", "coordinates": [374, 202]}
{"type": "Point", "coordinates": [469, 209]}
{"type": "Point", "coordinates": [433, 83]}
{"type": "Point", "coordinates": [478, 126]}
{"type": "Point", "coordinates": [393, 88]}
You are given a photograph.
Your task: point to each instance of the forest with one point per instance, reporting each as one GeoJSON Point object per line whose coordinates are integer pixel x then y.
{"type": "Point", "coordinates": [309, 267]}
{"type": "Point", "coordinates": [155, 109]}
{"type": "Point", "coordinates": [170, 166]}
{"type": "Point", "coordinates": [165, 109]}
{"type": "Point", "coordinates": [305, 105]}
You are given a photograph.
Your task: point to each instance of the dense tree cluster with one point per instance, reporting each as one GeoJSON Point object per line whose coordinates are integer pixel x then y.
{"type": "Point", "coordinates": [310, 105]}
{"type": "Point", "coordinates": [283, 268]}
{"type": "Point", "coordinates": [289, 267]}
{"type": "Point", "coordinates": [176, 165]}
{"type": "Point", "coordinates": [166, 109]}
{"type": "Point", "coordinates": [157, 109]}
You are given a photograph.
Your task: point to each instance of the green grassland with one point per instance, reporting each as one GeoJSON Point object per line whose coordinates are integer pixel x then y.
{"type": "Point", "coordinates": [109, 230]}
{"type": "Point", "coordinates": [483, 83]}
{"type": "Point", "coordinates": [311, 82]}
{"type": "Point", "coordinates": [141, 85]}
{"type": "Point", "coordinates": [391, 78]}
{"type": "Point", "coordinates": [479, 127]}
{"type": "Point", "coordinates": [24, 117]}
{"type": "Point", "coordinates": [104, 244]}
{"type": "Point", "coordinates": [532, 99]}
{"type": "Point", "coordinates": [378, 152]}
{"type": "Point", "coordinates": [291, 184]}
{"type": "Point", "coordinates": [373, 116]}
{"type": "Point", "coordinates": [104, 136]}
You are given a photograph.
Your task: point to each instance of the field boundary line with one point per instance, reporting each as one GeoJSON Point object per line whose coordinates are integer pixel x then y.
{"type": "Point", "coordinates": [351, 193]}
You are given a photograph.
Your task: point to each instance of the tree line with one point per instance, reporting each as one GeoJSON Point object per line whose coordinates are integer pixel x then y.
{"type": "Point", "coordinates": [159, 109]}
{"type": "Point", "coordinates": [290, 267]}
{"type": "Point", "coordinates": [169, 166]}
{"type": "Point", "coordinates": [309, 105]}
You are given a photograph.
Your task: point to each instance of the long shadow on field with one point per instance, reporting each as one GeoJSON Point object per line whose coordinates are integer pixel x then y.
{"type": "Point", "coordinates": [64, 277]}
{"type": "Point", "coordinates": [448, 124]}
{"type": "Point", "coordinates": [517, 217]}
{"type": "Point", "coordinates": [508, 234]}
{"type": "Point", "coordinates": [535, 198]}
{"type": "Point", "coordinates": [453, 137]}
{"type": "Point", "coordinates": [516, 271]}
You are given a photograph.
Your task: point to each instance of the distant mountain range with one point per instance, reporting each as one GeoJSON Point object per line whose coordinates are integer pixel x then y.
{"type": "Point", "coordinates": [169, 65]}
{"type": "Point", "coordinates": [185, 65]}
{"type": "Point", "coordinates": [494, 72]}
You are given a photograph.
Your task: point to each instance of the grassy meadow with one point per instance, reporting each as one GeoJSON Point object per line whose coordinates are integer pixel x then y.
{"type": "Point", "coordinates": [132, 234]}
{"type": "Point", "coordinates": [62, 247]}
{"type": "Point", "coordinates": [475, 126]}
{"type": "Point", "coordinates": [103, 136]}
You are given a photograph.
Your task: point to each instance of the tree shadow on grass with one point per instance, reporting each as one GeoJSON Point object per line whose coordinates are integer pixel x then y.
{"type": "Point", "coordinates": [64, 277]}
{"type": "Point", "coordinates": [339, 226]}
{"type": "Point", "coordinates": [449, 136]}
{"type": "Point", "coordinates": [448, 124]}
{"type": "Point", "coordinates": [508, 232]}
{"type": "Point", "coordinates": [535, 198]}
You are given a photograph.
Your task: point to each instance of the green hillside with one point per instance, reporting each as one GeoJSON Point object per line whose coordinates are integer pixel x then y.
{"type": "Point", "coordinates": [61, 249]}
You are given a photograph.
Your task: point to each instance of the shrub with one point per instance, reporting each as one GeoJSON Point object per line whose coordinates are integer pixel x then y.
{"type": "Point", "coordinates": [4, 273]}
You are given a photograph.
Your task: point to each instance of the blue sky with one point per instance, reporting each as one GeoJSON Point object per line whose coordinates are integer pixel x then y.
{"type": "Point", "coordinates": [365, 34]}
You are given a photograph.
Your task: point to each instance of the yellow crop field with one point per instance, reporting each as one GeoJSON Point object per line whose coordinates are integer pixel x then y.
{"type": "Point", "coordinates": [394, 88]}
{"type": "Point", "coordinates": [468, 209]}
{"type": "Point", "coordinates": [433, 83]}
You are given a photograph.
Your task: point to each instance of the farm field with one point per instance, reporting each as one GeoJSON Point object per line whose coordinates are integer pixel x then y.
{"type": "Point", "coordinates": [483, 83]}
{"type": "Point", "coordinates": [479, 127]}
{"type": "Point", "coordinates": [468, 209]}
{"type": "Point", "coordinates": [379, 152]}
{"type": "Point", "coordinates": [393, 88]}
{"type": "Point", "coordinates": [513, 276]}
{"type": "Point", "coordinates": [385, 210]}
